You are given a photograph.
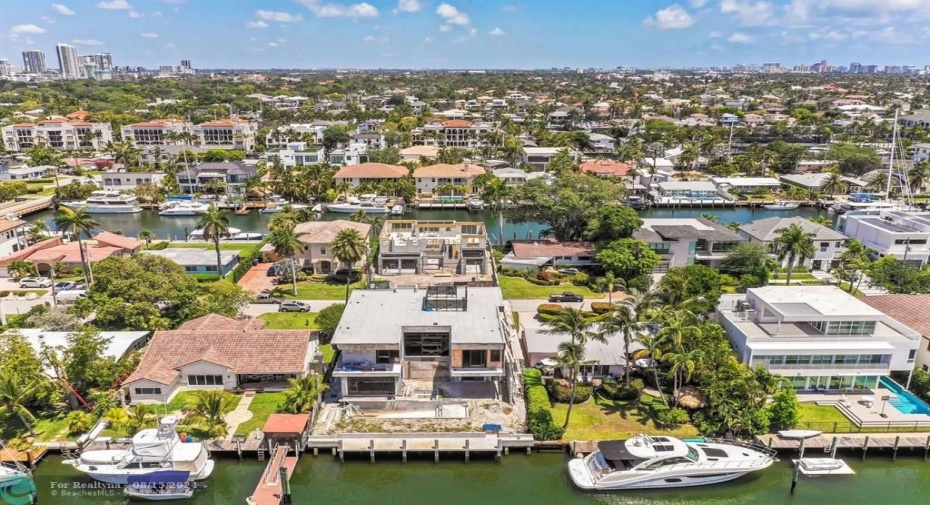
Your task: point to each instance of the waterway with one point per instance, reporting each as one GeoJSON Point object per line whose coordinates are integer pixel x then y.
{"type": "Point", "coordinates": [177, 227]}
{"type": "Point", "coordinates": [540, 479]}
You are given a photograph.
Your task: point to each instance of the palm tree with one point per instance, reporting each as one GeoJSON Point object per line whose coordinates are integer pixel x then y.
{"type": "Point", "coordinates": [147, 236]}
{"type": "Point", "coordinates": [141, 416]}
{"type": "Point", "coordinates": [833, 184]}
{"type": "Point", "coordinates": [684, 364]}
{"type": "Point", "coordinates": [286, 243]}
{"type": "Point", "coordinates": [185, 138]}
{"type": "Point", "coordinates": [496, 192]}
{"type": "Point", "coordinates": [689, 155]}
{"type": "Point", "coordinates": [571, 355]}
{"type": "Point", "coordinates": [878, 183]}
{"type": "Point", "coordinates": [621, 320]}
{"type": "Point", "coordinates": [573, 322]}
{"type": "Point", "coordinates": [209, 411]}
{"type": "Point", "coordinates": [821, 220]}
{"type": "Point", "coordinates": [38, 230]}
{"type": "Point", "coordinates": [919, 176]}
{"type": "Point", "coordinates": [793, 243]}
{"type": "Point", "coordinates": [14, 396]}
{"type": "Point", "coordinates": [77, 221]}
{"type": "Point", "coordinates": [215, 225]}
{"type": "Point", "coordinates": [349, 247]}
{"type": "Point", "coordinates": [654, 349]}
{"type": "Point", "coordinates": [359, 216]}
{"type": "Point", "coordinates": [283, 219]}
{"type": "Point", "coordinates": [610, 284]}
{"type": "Point", "coordinates": [303, 393]}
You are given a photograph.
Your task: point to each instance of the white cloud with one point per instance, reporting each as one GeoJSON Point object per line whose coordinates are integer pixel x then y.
{"type": "Point", "coordinates": [497, 32]}
{"type": "Point", "coordinates": [444, 28]}
{"type": "Point", "coordinates": [749, 12]}
{"type": "Point", "coordinates": [63, 10]}
{"type": "Point", "coordinates": [359, 10]}
{"type": "Point", "coordinates": [428, 40]}
{"type": "Point", "coordinates": [282, 17]}
{"type": "Point", "coordinates": [272, 44]}
{"type": "Point", "coordinates": [30, 28]}
{"type": "Point", "coordinates": [715, 35]}
{"type": "Point", "coordinates": [408, 5]}
{"type": "Point", "coordinates": [452, 16]}
{"type": "Point", "coordinates": [134, 15]}
{"type": "Point", "coordinates": [368, 38]}
{"type": "Point", "coordinates": [890, 35]}
{"type": "Point", "coordinates": [115, 5]}
{"type": "Point", "coordinates": [48, 20]}
{"type": "Point", "coordinates": [150, 35]}
{"type": "Point", "coordinates": [697, 3]}
{"type": "Point", "coordinates": [740, 38]}
{"type": "Point", "coordinates": [256, 24]}
{"type": "Point", "coordinates": [673, 17]}
{"type": "Point", "coordinates": [86, 42]}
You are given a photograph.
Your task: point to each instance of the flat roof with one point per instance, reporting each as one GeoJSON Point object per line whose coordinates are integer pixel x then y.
{"type": "Point", "coordinates": [194, 257]}
{"type": "Point", "coordinates": [119, 343]}
{"type": "Point", "coordinates": [817, 301]}
{"type": "Point", "coordinates": [379, 316]}
{"type": "Point", "coordinates": [691, 185]}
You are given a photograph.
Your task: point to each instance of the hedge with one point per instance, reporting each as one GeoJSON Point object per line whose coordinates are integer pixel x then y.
{"type": "Point", "coordinates": [158, 247]}
{"type": "Point", "coordinates": [549, 309]}
{"type": "Point", "coordinates": [245, 261]}
{"type": "Point", "coordinates": [620, 391]}
{"type": "Point", "coordinates": [600, 307]}
{"type": "Point", "coordinates": [563, 394]}
{"type": "Point", "coordinates": [539, 417]}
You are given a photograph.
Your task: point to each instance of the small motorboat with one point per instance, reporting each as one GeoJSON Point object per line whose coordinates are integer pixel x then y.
{"type": "Point", "coordinates": [397, 210]}
{"type": "Point", "coordinates": [781, 206]}
{"type": "Point", "coordinates": [475, 204]}
{"type": "Point", "coordinates": [823, 466]}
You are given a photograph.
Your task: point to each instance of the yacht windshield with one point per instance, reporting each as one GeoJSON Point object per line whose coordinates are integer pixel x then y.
{"type": "Point", "coordinates": [692, 453]}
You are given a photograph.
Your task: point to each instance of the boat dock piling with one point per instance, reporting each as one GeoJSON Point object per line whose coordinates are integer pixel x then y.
{"type": "Point", "coordinates": [274, 486]}
{"type": "Point", "coordinates": [465, 444]}
{"type": "Point", "coordinates": [830, 443]}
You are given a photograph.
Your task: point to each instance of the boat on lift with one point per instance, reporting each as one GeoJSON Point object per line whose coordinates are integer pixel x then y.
{"type": "Point", "coordinates": [781, 206]}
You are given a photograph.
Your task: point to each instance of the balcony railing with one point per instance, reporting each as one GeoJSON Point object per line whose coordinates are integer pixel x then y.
{"type": "Point", "coordinates": [863, 367]}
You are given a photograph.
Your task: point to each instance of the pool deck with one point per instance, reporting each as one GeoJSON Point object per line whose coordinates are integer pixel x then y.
{"type": "Point", "coordinates": [880, 413]}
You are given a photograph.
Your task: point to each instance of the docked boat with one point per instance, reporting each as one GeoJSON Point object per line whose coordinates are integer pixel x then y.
{"type": "Point", "coordinates": [160, 486]}
{"type": "Point", "coordinates": [475, 204]}
{"type": "Point", "coordinates": [234, 234]}
{"type": "Point", "coordinates": [179, 208]}
{"type": "Point", "coordinates": [781, 206]}
{"type": "Point", "coordinates": [647, 462]}
{"type": "Point", "coordinates": [635, 202]}
{"type": "Point", "coordinates": [107, 202]}
{"type": "Point", "coordinates": [273, 209]}
{"type": "Point", "coordinates": [397, 210]}
{"type": "Point", "coordinates": [152, 450]}
{"type": "Point", "coordinates": [16, 485]}
{"type": "Point", "coordinates": [371, 204]}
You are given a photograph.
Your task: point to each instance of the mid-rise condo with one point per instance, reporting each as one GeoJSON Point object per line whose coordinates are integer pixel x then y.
{"type": "Point", "coordinates": [58, 133]}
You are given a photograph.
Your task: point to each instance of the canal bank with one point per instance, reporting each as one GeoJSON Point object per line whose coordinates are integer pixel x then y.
{"type": "Point", "coordinates": [540, 479]}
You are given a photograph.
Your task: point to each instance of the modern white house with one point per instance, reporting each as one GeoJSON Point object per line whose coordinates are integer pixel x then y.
{"type": "Point", "coordinates": [687, 241]}
{"type": "Point", "coordinates": [12, 235]}
{"type": "Point", "coordinates": [817, 337]}
{"type": "Point", "coordinates": [689, 191]}
{"type": "Point", "coordinates": [433, 247]}
{"type": "Point", "coordinates": [828, 243]}
{"type": "Point", "coordinates": [539, 157]}
{"type": "Point", "coordinates": [903, 234]}
{"type": "Point", "coordinates": [601, 143]}
{"type": "Point", "coordinates": [128, 180]}
{"type": "Point", "coordinates": [746, 185]}
{"type": "Point", "coordinates": [438, 333]}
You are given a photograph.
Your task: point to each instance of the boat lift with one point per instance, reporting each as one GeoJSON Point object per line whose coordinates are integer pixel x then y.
{"type": "Point", "coordinates": [813, 467]}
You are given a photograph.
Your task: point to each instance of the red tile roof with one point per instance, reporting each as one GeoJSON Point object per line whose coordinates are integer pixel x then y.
{"type": "Point", "coordinates": [456, 123]}
{"type": "Point", "coordinates": [450, 171]}
{"type": "Point", "coordinates": [223, 122]}
{"type": "Point", "coordinates": [538, 248]}
{"type": "Point", "coordinates": [69, 253]}
{"type": "Point", "coordinates": [218, 322]}
{"type": "Point", "coordinates": [111, 239]}
{"type": "Point", "coordinates": [323, 232]}
{"type": "Point", "coordinates": [911, 310]}
{"type": "Point", "coordinates": [606, 167]}
{"type": "Point", "coordinates": [155, 123]}
{"type": "Point", "coordinates": [9, 224]}
{"type": "Point", "coordinates": [372, 171]}
{"type": "Point", "coordinates": [286, 423]}
{"type": "Point", "coordinates": [78, 114]}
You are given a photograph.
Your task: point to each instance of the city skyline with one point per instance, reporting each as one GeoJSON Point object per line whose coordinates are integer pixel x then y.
{"type": "Point", "coordinates": [469, 34]}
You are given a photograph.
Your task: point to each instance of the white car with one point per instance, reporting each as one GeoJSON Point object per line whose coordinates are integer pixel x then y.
{"type": "Point", "coordinates": [35, 282]}
{"type": "Point", "coordinates": [294, 306]}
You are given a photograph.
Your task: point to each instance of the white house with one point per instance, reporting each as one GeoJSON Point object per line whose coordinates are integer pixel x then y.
{"type": "Point", "coordinates": [921, 152]}
{"type": "Point", "coordinates": [828, 243]}
{"type": "Point", "coordinates": [817, 337]}
{"type": "Point", "coordinates": [746, 185]}
{"type": "Point", "coordinates": [23, 173]}
{"type": "Point", "coordinates": [430, 177]}
{"type": "Point", "coordinates": [689, 190]}
{"type": "Point", "coordinates": [601, 143]}
{"type": "Point", "coordinates": [539, 157]}
{"type": "Point", "coordinates": [687, 241]}
{"type": "Point", "coordinates": [12, 235]}
{"type": "Point", "coordinates": [905, 235]}
{"type": "Point", "coordinates": [529, 254]}
{"type": "Point", "coordinates": [128, 180]}
{"type": "Point", "coordinates": [511, 176]}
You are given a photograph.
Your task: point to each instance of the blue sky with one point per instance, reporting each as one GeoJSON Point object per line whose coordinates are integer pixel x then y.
{"type": "Point", "coordinates": [471, 33]}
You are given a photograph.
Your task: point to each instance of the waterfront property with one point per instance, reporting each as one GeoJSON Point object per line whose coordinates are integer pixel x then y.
{"type": "Point", "coordinates": [12, 235]}
{"type": "Point", "coordinates": [46, 254]}
{"type": "Point", "coordinates": [905, 235]}
{"type": "Point", "coordinates": [440, 333]}
{"type": "Point", "coordinates": [155, 132]}
{"type": "Point", "coordinates": [539, 157]}
{"type": "Point", "coordinates": [433, 247]}
{"type": "Point", "coordinates": [216, 352]}
{"type": "Point", "coordinates": [230, 176]}
{"type": "Point", "coordinates": [122, 181]}
{"type": "Point", "coordinates": [601, 358]}
{"type": "Point", "coordinates": [511, 176]}
{"type": "Point", "coordinates": [226, 134]}
{"type": "Point", "coordinates": [820, 338]}
{"type": "Point", "coordinates": [828, 243]}
{"type": "Point", "coordinates": [605, 168]}
{"type": "Point", "coordinates": [430, 177]}
{"type": "Point", "coordinates": [746, 185]}
{"type": "Point", "coordinates": [814, 182]}
{"type": "Point", "coordinates": [369, 172]}
{"type": "Point", "coordinates": [913, 311]}
{"type": "Point", "coordinates": [24, 173]}
{"type": "Point", "coordinates": [317, 237]}
{"type": "Point", "coordinates": [688, 241]}
{"type": "Point", "coordinates": [679, 191]}
{"type": "Point", "coordinates": [58, 133]}
{"type": "Point", "coordinates": [199, 261]}
{"type": "Point", "coordinates": [528, 254]}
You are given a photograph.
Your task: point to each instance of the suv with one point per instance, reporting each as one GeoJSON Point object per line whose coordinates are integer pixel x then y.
{"type": "Point", "coordinates": [294, 306]}
{"type": "Point", "coordinates": [566, 297]}
{"type": "Point", "coordinates": [267, 297]}
{"type": "Point", "coordinates": [35, 282]}
{"type": "Point", "coordinates": [341, 275]}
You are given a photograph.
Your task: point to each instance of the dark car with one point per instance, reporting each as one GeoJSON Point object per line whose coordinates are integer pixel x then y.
{"type": "Point", "coordinates": [343, 273]}
{"type": "Point", "coordinates": [565, 297]}
{"type": "Point", "coordinates": [271, 271]}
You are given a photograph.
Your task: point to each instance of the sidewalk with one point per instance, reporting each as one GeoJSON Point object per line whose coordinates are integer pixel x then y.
{"type": "Point", "coordinates": [239, 415]}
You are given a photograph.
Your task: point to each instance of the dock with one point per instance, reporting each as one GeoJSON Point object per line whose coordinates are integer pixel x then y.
{"type": "Point", "coordinates": [26, 207]}
{"type": "Point", "coordinates": [830, 443]}
{"type": "Point", "coordinates": [459, 444]}
{"type": "Point", "coordinates": [273, 488]}
{"type": "Point", "coordinates": [9, 455]}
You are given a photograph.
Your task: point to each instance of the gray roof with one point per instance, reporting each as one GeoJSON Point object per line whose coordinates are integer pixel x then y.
{"type": "Point", "coordinates": [231, 167]}
{"type": "Point", "coordinates": [765, 230]}
{"type": "Point", "coordinates": [379, 317]}
{"type": "Point", "coordinates": [194, 257]}
{"type": "Point", "coordinates": [540, 342]}
{"type": "Point", "coordinates": [684, 231]}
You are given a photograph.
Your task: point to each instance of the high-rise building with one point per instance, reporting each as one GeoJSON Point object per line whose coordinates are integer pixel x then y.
{"type": "Point", "coordinates": [823, 65]}
{"type": "Point", "coordinates": [5, 68]}
{"type": "Point", "coordinates": [186, 64]}
{"type": "Point", "coordinates": [855, 67]}
{"type": "Point", "coordinates": [68, 61]}
{"type": "Point", "coordinates": [103, 61]}
{"type": "Point", "coordinates": [34, 62]}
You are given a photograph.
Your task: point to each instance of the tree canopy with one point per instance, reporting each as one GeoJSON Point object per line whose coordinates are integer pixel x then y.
{"type": "Point", "coordinates": [613, 222]}
{"type": "Point", "coordinates": [565, 206]}
{"type": "Point", "coordinates": [629, 259]}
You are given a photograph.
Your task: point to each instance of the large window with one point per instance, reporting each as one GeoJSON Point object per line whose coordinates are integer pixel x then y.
{"type": "Point", "coordinates": [148, 391]}
{"type": "Point", "coordinates": [426, 344]}
{"type": "Point", "coordinates": [371, 386]}
{"type": "Point", "coordinates": [845, 327]}
{"type": "Point", "coordinates": [386, 356]}
{"type": "Point", "coordinates": [205, 380]}
{"type": "Point", "coordinates": [475, 359]}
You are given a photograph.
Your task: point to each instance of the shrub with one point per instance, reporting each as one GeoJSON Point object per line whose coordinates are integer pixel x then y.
{"type": "Point", "coordinates": [600, 307]}
{"type": "Point", "coordinates": [620, 391]}
{"type": "Point", "coordinates": [563, 394]}
{"type": "Point", "coordinates": [301, 276]}
{"type": "Point", "coordinates": [543, 282]}
{"type": "Point", "coordinates": [549, 309]}
{"type": "Point", "coordinates": [539, 417]}
{"type": "Point", "coordinates": [669, 418]}
{"type": "Point", "coordinates": [245, 261]}
{"type": "Point", "coordinates": [159, 246]}
{"type": "Point", "coordinates": [580, 279]}
{"type": "Point", "coordinates": [4, 294]}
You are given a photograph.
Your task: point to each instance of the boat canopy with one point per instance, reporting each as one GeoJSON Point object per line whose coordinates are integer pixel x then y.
{"type": "Point", "coordinates": [164, 477]}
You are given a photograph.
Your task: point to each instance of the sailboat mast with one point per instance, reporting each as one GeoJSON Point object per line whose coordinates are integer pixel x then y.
{"type": "Point", "coordinates": [894, 142]}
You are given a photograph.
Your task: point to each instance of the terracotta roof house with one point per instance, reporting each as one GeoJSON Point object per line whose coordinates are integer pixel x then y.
{"type": "Point", "coordinates": [430, 177]}
{"type": "Point", "coordinates": [912, 311]}
{"type": "Point", "coordinates": [605, 168]}
{"type": "Point", "coordinates": [216, 352]}
{"type": "Point", "coordinates": [47, 253]}
{"type": "Point", "coordinates": [317, 237]}
{"type": "Point", "coordinates": [369, 172]}
{"type": "Point", "coordinates": [527, 254]}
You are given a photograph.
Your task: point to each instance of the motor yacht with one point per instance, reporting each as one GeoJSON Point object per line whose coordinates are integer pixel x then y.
{"type": "Point", "coordinates": [182, 208]}
{"type": "Point", "coordinates": [107, 202]}
{"type": "Point", "coordinates": [651, 462]}
{"type": "Point", "coordinates": [371, 204]}
{"type": "Point", "coordinates": [781, 206]}
{"type": "Point", "coordinates": [152, 450]}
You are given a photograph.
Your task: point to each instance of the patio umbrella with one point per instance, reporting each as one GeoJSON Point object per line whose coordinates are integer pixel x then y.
{"type": "Point", "coordinates": [691, 398]}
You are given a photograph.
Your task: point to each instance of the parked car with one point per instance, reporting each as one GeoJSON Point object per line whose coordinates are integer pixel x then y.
{"type": "Point", "coordinates": [566, 297]}
{"type": "Point", "coordinates": [341, 275]}
{"type": "Point", "coordinates": [64, 286]}
{"type": "Point", "coordinates": [294, 306]}
{"type": "Point", "coordinates": [267, 297]}
{"type": "Point", "coordinates": [35, 282]}
{"type": "Point", "coordinates": [71, 296]}
{"type": "Point", "coordinates": [271, 271]}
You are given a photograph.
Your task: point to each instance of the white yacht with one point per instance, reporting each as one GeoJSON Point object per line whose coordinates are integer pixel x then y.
{"type": "Point", "coordinates": [371, 204]}
{"type": "Point", "coordinates": [184, 208]}
{"type": "Point", "coordinates": [107, 202]}
{"type": "Point", "coordinates": [152, 450]}
{"type": "Point", "coordinates": [278, 207]}
{"type": "Point", "coordinates": [647, 462]}
{"type": "Point", "coordinates": [234, 234]}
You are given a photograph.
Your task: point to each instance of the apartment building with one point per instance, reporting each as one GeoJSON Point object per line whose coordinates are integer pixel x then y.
{"type": "Point", "coordinates": [34, 62]}
{"type": "Point", "coordinates": [57, 133]}
{"type": "Point", "coordinates": [68, 61]}
{"type": "Point", "coordinates": [817, 337]}
{"type": "Point", "coordinates": [905, 235]}
{"type": "Point", "coordinates": [226, 134]}
{"type": "Point", "coordinates": [155, 132]}
{"type": "Point", "coordinates": [453, 133]}
{"type": "Point", "coordinates": [688, 241]}
{"type": "Point", "coordinates": [441, 333]}
{"type": "Point", "coordinates": [828, 243]}
{"type": "Point", "coordinates": [417, 247]}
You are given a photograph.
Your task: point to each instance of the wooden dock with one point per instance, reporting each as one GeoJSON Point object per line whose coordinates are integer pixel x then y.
{"type": "Point", "coordinates": [26, 207]}
{"type": "Point", "coordinates": [273, 487]}
{"type": "Point", "coordinates": [461, 444]}
{"type": "Point", "coordinates": [830, 443]}
{"type": "Point", "coordinates": [30, 458]}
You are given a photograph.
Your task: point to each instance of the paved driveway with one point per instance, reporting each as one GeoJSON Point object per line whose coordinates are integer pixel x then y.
{"type": "Point", "coordinates": [256, 279]}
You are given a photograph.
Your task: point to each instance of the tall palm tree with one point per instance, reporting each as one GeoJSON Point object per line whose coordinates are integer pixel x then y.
{"type": "Point", "coordinates": [683, 365]}
{"type": "Point", "coordinates": [573, 322]}
{"type": "Point", "coordinates": [610, 283]}
{"type": "Point", "coordinates": [349, 248]}
{"type": "Point", "coordinates": [14, 396]}
{"type": "Point", "coordinates": [360, 216]}
{"type": "Point", "coordinates": [147, 236]}
{"type": "Point", "coordinates": [495, 193]}
{"type": "Point", "coordinates": [185, 138]}
{"type": "Point", "coordinates": [286, 243]}
{"type": "Point", "coordinates": [571, 355]}
{"type": "Point", "coordinates": [918, 176]}
{"type": "Point", "coordinates": [833, 183]}
{"type": "Point", "coordinates": [689, 155]}
{"type": "Point", "coordinates": [654, 349]}
{"type": "Point", "coordinates": [878, 183]}
{"type": "Point", "coordinates": [621, 319]}
{"type": "Point", "coordinates": [215, 225]}
{"type": "Point", "coordinates": [793, 243]}
{"type": "Point", "coordinates": [68, 220]}
{"type": "Point", "coordinates": [141, 416]}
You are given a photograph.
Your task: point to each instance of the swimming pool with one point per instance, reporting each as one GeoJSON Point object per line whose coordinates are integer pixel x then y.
{"type": "Point", "coordinates": [906, 402]}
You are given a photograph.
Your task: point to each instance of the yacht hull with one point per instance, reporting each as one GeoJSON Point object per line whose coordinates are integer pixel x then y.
{"type": "Point", "coordinates": [112, 475]}
{"type": "Point", "coordinates": [112, 210]}
{"type": "Point", "coordinates": [581, 477]}
{"type": "Point", "coordinates": [350, 209]}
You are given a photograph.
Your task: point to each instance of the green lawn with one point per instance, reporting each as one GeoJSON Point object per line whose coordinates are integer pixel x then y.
{"type": "Point", "coordinates": [289, 320]}
{"type": "Point", "coordinates": [516, 288]}
{"type": "Point", "coordinates": [601, 418]}
{"type": "Point", "coordinates": [316, 290]}
{"type": "Point", "coordinates": [845, 287]}
{"type": "Point", "coordinates": [187, 400]}
{"type": "Point", "coordinates": [48, 427]}
{"type": "Point", "coordinates": [263, 405]}
{"type": "Point", "coordinates": [813, 413]}
{"type": "Point", "coordinates": [24, 292]}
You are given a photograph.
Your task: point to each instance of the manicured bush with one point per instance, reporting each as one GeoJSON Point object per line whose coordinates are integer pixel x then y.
{"type": "Point", "coordinates": [620, 391]}
{"type": "Point", "coordinates": [562, 393]}
{"type": "Point", "coordinates": [580, 279]}
{"type": "Point", "coordinates": [549, 309]}
{"type": "Point", "coordinates": [159, 246]}
{"type": "Point", "coordinates": [600, 307]}
{"type": "Point", "coordinates": [245, 261]}
{"type": "Point", "coordinates": [539, 417]}
{"type": "Point", "coordinates": [670, 418]}
{"type": "Point", "coordinates": [4, 294]}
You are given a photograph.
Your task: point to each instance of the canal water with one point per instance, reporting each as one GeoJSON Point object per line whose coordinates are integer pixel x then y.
{"type": "Point", "coordinates": [178, 226]}
{"type": "Point", "coordinates": [540, 479]}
